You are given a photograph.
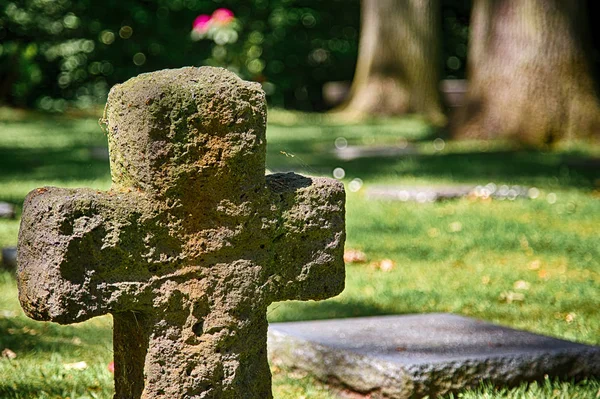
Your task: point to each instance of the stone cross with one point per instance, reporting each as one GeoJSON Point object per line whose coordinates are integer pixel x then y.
{"type": "Point", "coordinates": [191, 243]}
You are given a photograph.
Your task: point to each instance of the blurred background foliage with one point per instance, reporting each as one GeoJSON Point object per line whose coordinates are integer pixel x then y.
{"type": "Point", "coordinates": [56, 54]}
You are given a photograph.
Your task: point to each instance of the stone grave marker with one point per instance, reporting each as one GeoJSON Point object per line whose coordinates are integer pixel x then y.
{"type": "Point", "coordinates": [191, 243]}
{"type": "Point", "coordinates": [413, 356]}
{"type": "Point", "coordinates": [349, 153]}
{"type": "Point", "coordinates": [7, 211]}
{"type": "Point", "coordinates": [334, 93]}
{"type": "Point", "coordinates": [99, 153]}
{"type": "Point", "coordinates": [424, 194]}
{"type": "Point", "coordinates": [9, 258]}
{"type": "Point", "coordinates": [454, 92]}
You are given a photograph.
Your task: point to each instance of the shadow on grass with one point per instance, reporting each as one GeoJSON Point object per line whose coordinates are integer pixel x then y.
{"type": "Point", "coordinates": [21, 337]}
{"type": "Point", "coordinates": [65, 164]}
{"type": "Point", "coordinates": [26, 336]}
{"type": "Point", "coordinates": [44, 383]}
{"type": "Point", "coordinates": [331, 309]}
{"type": "Point", "coordinates": [530, 167]}
{"type": "Point", "coordinates": [38, 389]}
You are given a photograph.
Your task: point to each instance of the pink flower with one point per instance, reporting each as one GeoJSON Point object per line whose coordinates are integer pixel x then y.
{"type": "Point", "coordinates": [111, 367]}
{"type": "Point", "coordinates": [202, 23]}
{"type": "Point", "coordinates": [223, 16]}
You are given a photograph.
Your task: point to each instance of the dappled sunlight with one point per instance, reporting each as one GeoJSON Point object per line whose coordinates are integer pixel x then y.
{"type": "Point", "coordinates": [519, 249]}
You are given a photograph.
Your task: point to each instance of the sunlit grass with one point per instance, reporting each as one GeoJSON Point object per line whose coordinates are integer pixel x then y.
{"type": "Point", "coordinates": [470, 271]}
{"type": "Point", "coordinates": [45, 350]}
{"type": "Point", "coordinates": [532, 264]}
{"type": "Point", "coordinates": [587, 389]}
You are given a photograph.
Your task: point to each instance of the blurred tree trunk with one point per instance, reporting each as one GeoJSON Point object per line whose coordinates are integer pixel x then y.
{"type": "Point", "coordinates": [398, 68]}
{"type": "Point", "coordinates": [9, 74]}
{"type": "Point", "coordinates": [529, 74]}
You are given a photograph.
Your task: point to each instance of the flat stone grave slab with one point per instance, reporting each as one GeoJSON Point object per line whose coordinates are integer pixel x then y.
{"type": "Point", "coordinates": [7, 211]}
{"type": "Point", "coordinates": [429, 354]}
{"type": "Point", "coordinates": [425, 194]}
{"type": "Point", "coordinates": [348, 153]}
{"type": "Point", "coordinates": [99, 153]}
{"type": "Point", "coordinates": [9, 258]}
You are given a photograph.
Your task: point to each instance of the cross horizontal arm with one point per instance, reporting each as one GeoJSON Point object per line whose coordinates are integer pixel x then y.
{"type": "Point", "coordinates": [82, 252]}
{"type": "Point", "coordinates": [309, 244]}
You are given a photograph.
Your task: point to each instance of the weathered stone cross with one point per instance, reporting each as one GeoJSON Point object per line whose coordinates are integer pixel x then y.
{"type": "Point", "coordinates": [191, 243]}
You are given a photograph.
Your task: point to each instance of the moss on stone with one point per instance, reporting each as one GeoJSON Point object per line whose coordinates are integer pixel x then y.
{"type": "Point", "coordinates": [191, 244]}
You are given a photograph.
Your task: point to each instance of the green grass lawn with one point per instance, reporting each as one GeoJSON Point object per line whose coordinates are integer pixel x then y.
{"type": "Point", "coordinates": [532, 264]}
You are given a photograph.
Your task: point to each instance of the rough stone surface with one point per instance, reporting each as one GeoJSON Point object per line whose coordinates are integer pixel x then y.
{"type": "Point", "coordinates": [191, 243]}
{"type": "Point", "coordinates": [414, 356]}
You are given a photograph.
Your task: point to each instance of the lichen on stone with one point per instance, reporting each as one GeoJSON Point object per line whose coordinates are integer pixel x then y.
{"type": "Point", "coordinates": [190, 245]}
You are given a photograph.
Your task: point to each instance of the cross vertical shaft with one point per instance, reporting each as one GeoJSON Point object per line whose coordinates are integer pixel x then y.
{"type": "Point", "coordinates": [190, 245]}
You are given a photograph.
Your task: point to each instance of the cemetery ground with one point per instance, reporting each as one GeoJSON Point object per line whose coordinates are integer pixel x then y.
{"type": "Point", "coordinates": [531, 263]}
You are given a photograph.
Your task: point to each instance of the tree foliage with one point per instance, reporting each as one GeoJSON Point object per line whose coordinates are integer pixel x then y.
{"type": "Point", "coordinates": [60, 51]}
{"type": "Point", "coordinates": [55, 53]}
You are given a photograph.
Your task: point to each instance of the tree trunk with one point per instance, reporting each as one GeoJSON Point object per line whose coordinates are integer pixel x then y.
{"type": "Point", "coordinates": [529, 76]}
{"type": "Point", "coordinates": [8, 77]}
{"type": "Point", "coordinates": [398, 67]}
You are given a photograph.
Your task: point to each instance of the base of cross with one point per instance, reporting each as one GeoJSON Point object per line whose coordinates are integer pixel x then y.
{"type": "Point", "coordinates": [402, 357]}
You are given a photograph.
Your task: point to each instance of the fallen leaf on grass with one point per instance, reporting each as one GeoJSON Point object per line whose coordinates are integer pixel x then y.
{"type": "Point", "coordinates": [570, 317]}
{"type": "Point", "coordinates": [510, 297]}
{"type": "Point", "coordinates": [354, 256]}
{"type": "Point", "coordinates": [7, 353]}
{"type": "Point", "coordinates": [24, 330]}
{"type": "Point", "coordinates": [29, 331]}
{"type": "Point", "coordinates": [76, 366]}
{"type": "Point", "coordinates": [297, 374]}
{"type": "Point", "coordinates": [385, 265]}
